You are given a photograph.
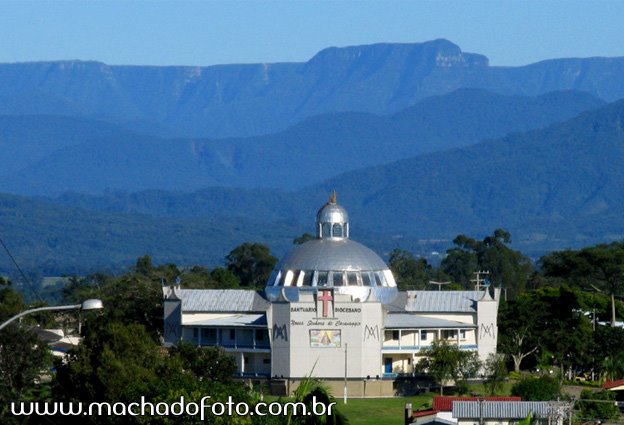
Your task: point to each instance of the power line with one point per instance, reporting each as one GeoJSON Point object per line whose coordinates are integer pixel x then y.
{"type": "Point", "coordinates": [30, 284]}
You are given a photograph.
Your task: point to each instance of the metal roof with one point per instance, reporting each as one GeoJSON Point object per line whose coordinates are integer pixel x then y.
{"type": "Point", "coordinates": [331, 254]}
{"type": "Point", "coordinates": [445, 402]}
{"type": "Point", "coordinates": [436, 301]}
{"type": "Point", "coordinates": [237, 320]}
{"type": "Point", "coordinates": [396, 321]}
{"type": "Point", "coordinates": [332, 213]}
{"type": "Point", "coordinates": [221, 300]}
{"type": "Point", "coordinates": [500, 409]}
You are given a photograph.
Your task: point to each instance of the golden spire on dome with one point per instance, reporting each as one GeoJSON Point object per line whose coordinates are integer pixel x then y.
{"type": "Point", "coordinates": [332, 197]}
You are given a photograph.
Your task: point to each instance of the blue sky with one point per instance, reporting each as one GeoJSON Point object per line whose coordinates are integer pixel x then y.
{"type": "Point", "coordinates": [217, 32]}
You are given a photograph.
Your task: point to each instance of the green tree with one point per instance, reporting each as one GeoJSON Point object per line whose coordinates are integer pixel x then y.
{"type": "Point", "coordinates": [144, 265]}
{"type": "Point", "coordinates": [610, 341]}
{"type": "Point", "coordinates": [602, 409]}
{"type": "Point", "coordinates": [206, 362]}
{"type": "Point", "coordinates": [518, 328]}
{"type": "Point", "coordinates": [445, 362]}
{"type": "Point", "coordinates": [599, 267]}
{"type": "Point", "coordinates": [495, 372]}
{"type": "Point", "coordinates": [310, 389]}
{"type": "Point", "coordinates": [201, 278]}
{"type": "Point", "coordinates": [120, 362]}
{"type": "Point", "coordinates": [550, 319]}
{"type": "Point", "coordinates": [303, 238]}
{"type": "Point", "coordinates": [252, 263]}
{"type": "Point", "coordinates": [409, 272]}
{"type": "Point", "coordinates": [224, 278]}
{"type": "Point", "coordinates": [537, 389]}
{"type": "Point", "coordinates": [23, 357]}
{"type": "Point", "coordinates": [508, 268]}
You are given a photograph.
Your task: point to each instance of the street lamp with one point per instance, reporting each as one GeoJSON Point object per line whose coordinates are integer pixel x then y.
{"type": "Point", "coordinates": [92, 304]}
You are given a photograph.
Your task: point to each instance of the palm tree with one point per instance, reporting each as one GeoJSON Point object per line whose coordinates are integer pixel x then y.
{"type": "Point", "coordinates": [310, 390]}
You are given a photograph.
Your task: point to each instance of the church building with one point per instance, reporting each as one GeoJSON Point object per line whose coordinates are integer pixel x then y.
{"type": "Point", "coordinates": [331, 309]}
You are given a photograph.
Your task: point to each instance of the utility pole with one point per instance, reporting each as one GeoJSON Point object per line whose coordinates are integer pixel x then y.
{"type": "Point", "coordinates": [481, 401]}
{"type": "Point", "coordinates": [480, 279]}
{"type": "Point", "coordinates": [345, 383]}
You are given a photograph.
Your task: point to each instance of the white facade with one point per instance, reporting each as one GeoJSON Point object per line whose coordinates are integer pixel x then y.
{"type": "Point", "coordinates": [331, 306]}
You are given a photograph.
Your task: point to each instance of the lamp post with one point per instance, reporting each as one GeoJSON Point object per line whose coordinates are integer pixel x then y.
{"type": "Point", "coordinates": [92, 304]}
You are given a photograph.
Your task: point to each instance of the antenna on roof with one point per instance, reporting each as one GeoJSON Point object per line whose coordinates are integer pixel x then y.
{"type": "Point", "coordinates": [440, 284]}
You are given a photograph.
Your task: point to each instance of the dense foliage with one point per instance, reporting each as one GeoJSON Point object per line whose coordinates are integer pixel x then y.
{"type": "Point", "coordinates": [599, 406]}
{"type": "Point", "coordinates": [446, 362]}
{"type": "Point", "coordinates": [537, 389]}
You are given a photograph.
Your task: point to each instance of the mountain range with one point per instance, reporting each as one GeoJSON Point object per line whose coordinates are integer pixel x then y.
{"type": "Point", "coordinates": [103, 164]}
{"type": "Point", "coordinates": [551, 188]}
{"type": "Point", "coordinates": [247, 100]}
{"type": "Point", "coordinates": [50, 155]}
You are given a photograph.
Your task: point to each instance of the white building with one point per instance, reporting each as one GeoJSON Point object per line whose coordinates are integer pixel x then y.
{"type": "Point", "coordinates": [331, 308]}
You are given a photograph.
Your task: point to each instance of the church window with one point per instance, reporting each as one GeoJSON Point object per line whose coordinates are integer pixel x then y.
{"type": "Point", "coordinates": [322, 279]}
{"type": "Point", "coordinates": [326, 230]}
{"type": "Point", "coordinates": [366, 279]}
{"type": "Point", "coordinates": [307, 277]}
{"type": "Point", "coordinates": [337, 230]}
{"type": "Point", "coordinates": [352, 278]}
{"type": "Point", "coordinates": [337, 279]}
{"type": "Point", "coordinates": [378, 278]}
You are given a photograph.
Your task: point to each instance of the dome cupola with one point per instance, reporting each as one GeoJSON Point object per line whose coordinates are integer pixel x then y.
{"type": "Point", "coordinates": [332, 221]}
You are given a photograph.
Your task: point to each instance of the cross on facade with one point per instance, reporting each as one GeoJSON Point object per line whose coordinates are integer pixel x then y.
{"type": "Point", "coordinates": [326, 298]}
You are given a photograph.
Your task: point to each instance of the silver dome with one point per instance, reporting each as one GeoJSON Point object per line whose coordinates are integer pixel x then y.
{"type": "Point", "coordinates": [332, 260]}
{"type": "Point", "coordinates": [331, 254]}
{"type": "Point", "coordinates": [332, 213]}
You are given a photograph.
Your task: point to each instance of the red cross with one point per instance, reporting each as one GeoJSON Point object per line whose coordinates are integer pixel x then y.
{"type": "Point", "coordinates": [326, 298]}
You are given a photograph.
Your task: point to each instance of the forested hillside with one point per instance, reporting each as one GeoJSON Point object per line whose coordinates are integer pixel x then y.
{"type": "Point", "coordinates": [48, 155]}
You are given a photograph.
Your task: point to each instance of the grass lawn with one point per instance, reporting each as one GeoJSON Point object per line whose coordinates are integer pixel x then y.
{"type": "Point", "coordinates": [377, 411]}
{"type": "Point", "coordinates": [386, 411]}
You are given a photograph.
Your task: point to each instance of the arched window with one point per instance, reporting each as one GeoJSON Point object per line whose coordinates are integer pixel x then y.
{"type": "Point", "coordinates": [337, 230]}
{"type": "Point", "coordinates": [326, 230]}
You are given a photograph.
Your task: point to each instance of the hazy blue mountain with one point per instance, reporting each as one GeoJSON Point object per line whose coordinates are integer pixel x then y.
{"type": "Point", "coordinates": [552, 188]}
{"type": "Point", "coordinates": [57, 240]}
{"type": "Point", "coordinates": [49, 155]}
{"type": "Point", "coordinates": [326, 145]}
{"type": "Point", "coordinates": [28, 139]}
{"type": "Point", "coordinates": [244, 100]}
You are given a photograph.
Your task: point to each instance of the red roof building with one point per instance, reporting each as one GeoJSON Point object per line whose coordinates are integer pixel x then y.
{"type": "Point", "coordinates": [614, 385]}
{"type": "Point", "coordinates": [445, 403]}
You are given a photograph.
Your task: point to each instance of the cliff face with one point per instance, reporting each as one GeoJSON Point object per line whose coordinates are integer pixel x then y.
{"type": "Point", "coordinates": [242, 100]}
